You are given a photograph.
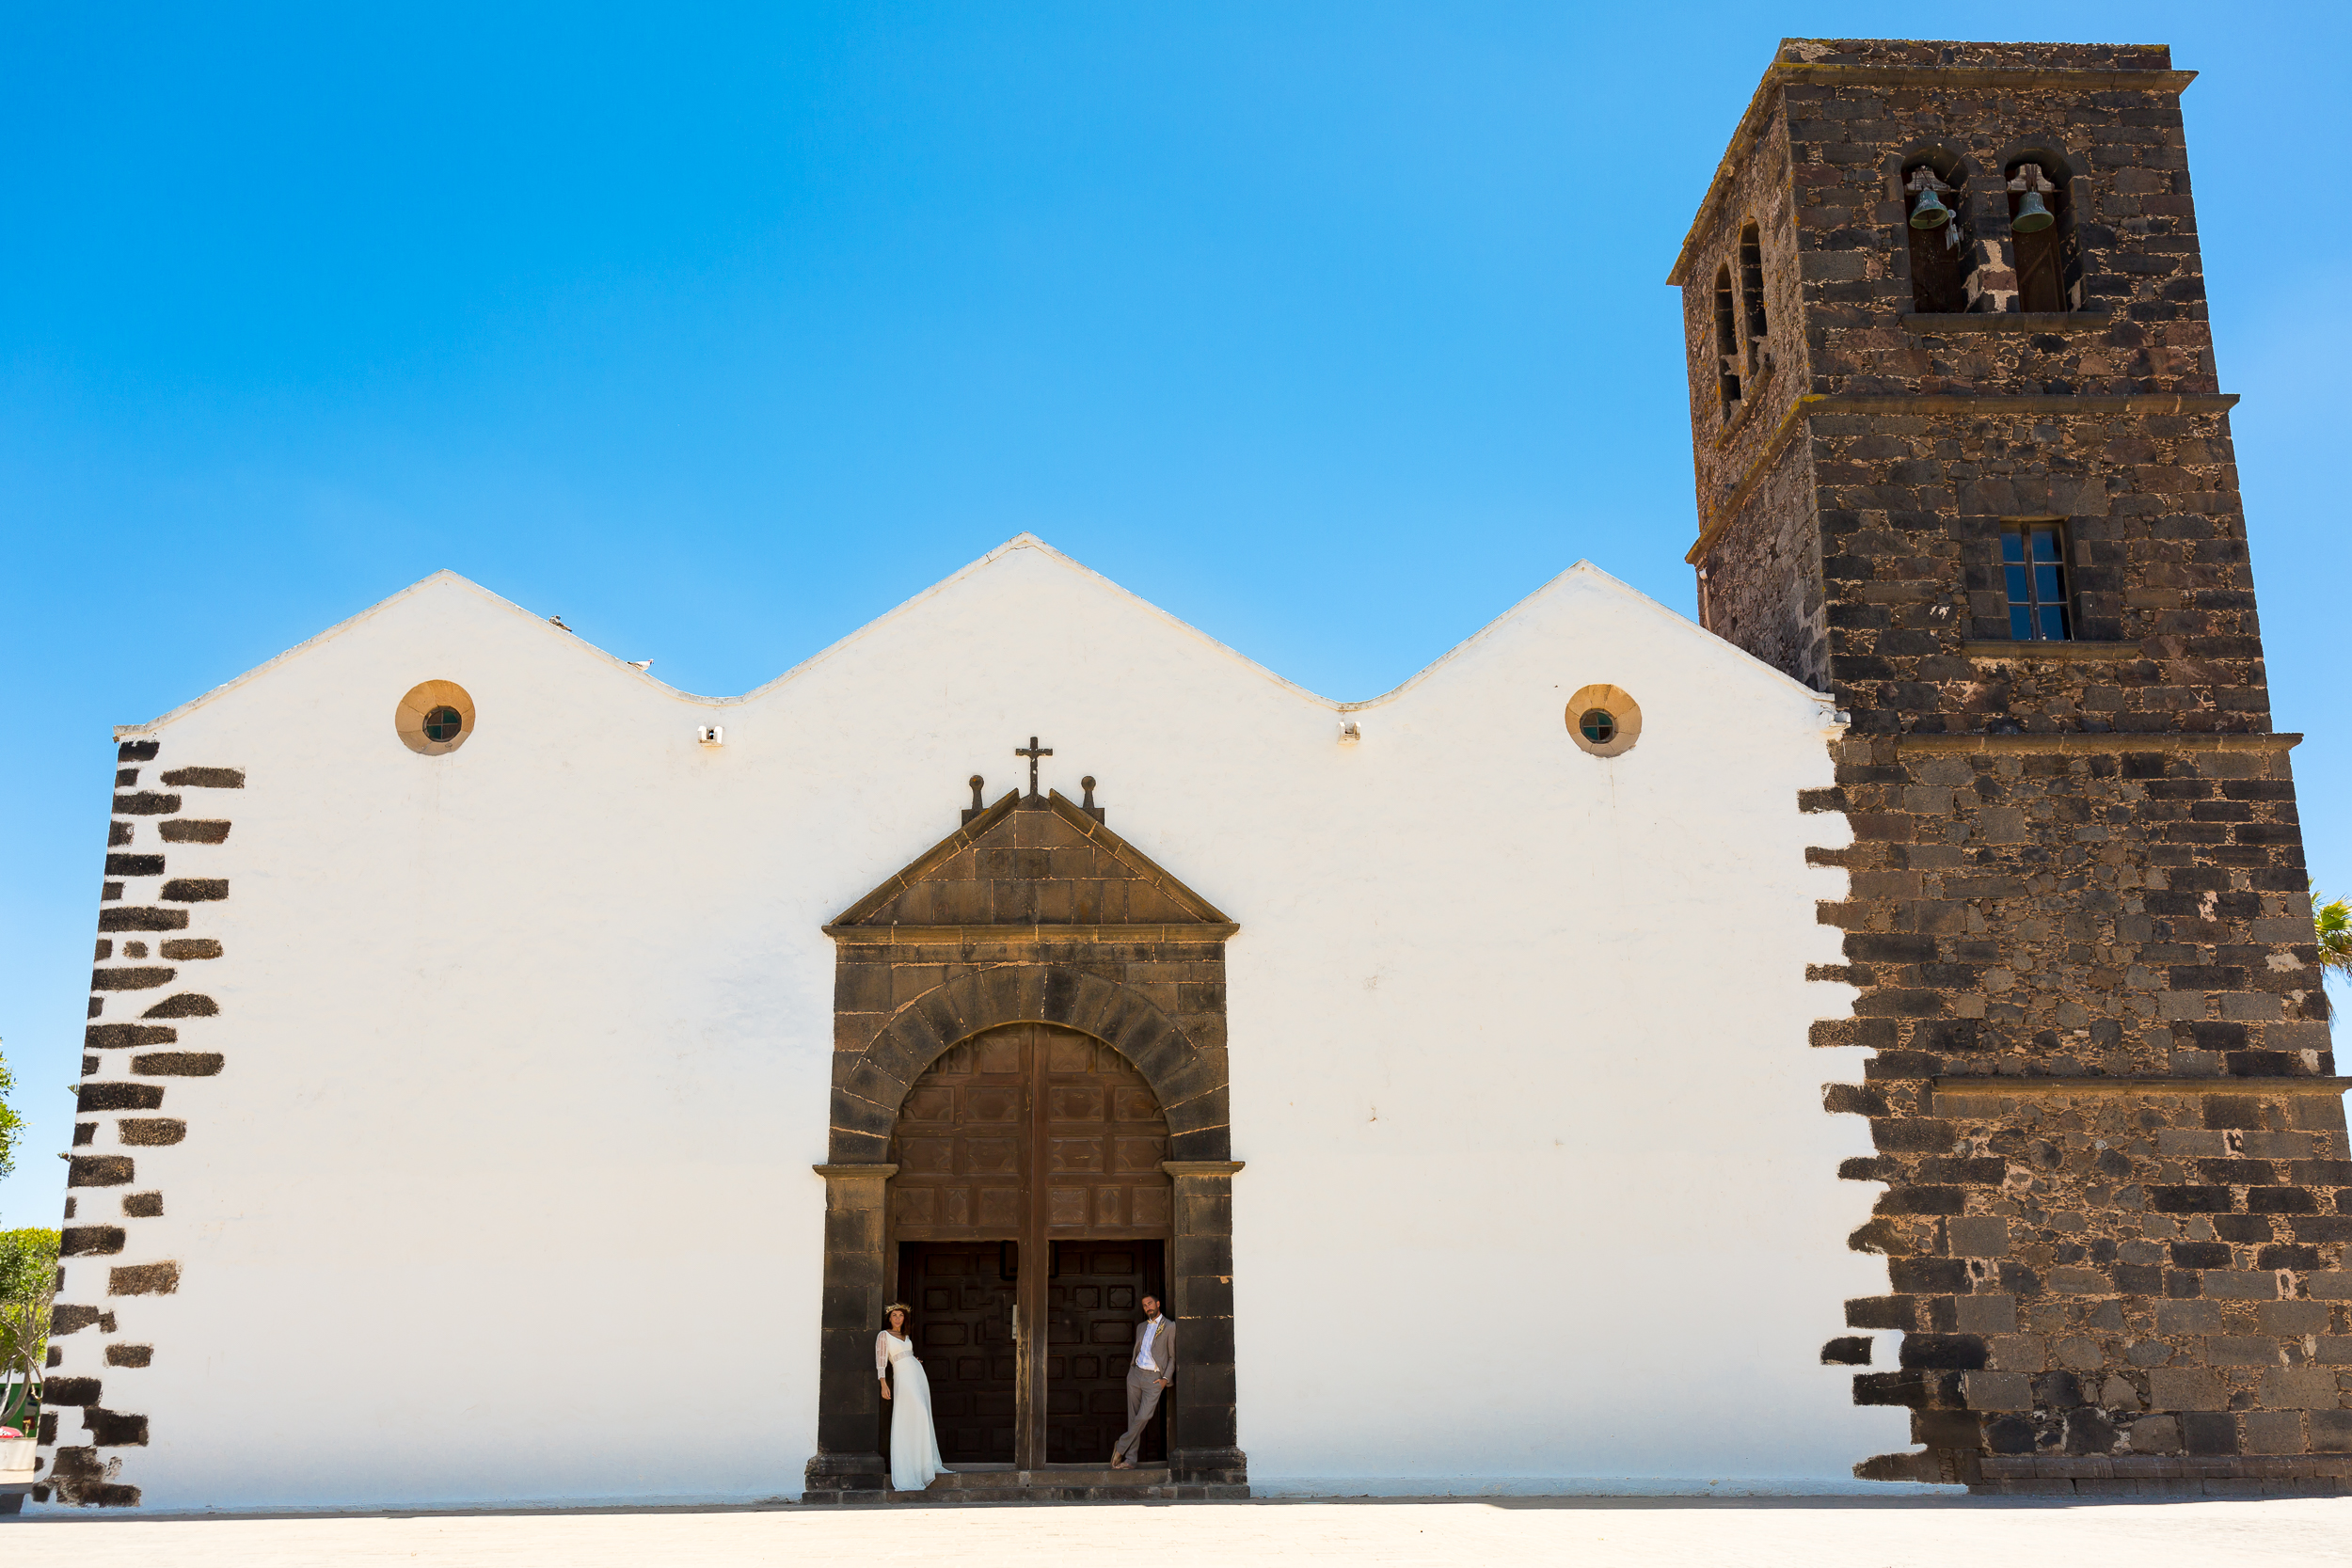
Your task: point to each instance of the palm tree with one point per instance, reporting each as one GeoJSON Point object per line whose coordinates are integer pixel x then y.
{"type": "Point", "coordinates": [2331, 926]}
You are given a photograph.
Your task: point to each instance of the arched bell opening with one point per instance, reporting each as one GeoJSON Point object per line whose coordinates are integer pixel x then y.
{"type": "Point", "coordinates": [2045, 246]}
{"type": "Point", "coordinates": [1728, 356]}
{"type": "Point", "coordinates": [1939, 230]}
{"type": "Point", "coordinates": [1753, 326]}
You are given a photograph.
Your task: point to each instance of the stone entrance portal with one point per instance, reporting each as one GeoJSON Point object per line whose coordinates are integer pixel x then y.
{"type": "Point", "coordinates": [1030, 1054]}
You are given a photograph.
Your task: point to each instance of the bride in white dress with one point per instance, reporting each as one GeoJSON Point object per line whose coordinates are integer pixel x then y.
{"type": "Point", "coordinates": [913, 1440]}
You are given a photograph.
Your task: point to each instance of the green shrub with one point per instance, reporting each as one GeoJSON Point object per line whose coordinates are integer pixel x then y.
{"type": "Point", "coordinates": [28, 1280]}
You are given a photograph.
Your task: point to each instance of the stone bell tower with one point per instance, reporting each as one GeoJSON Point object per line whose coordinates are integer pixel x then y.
{"type": "Point", "coordinates": [1962, 459]}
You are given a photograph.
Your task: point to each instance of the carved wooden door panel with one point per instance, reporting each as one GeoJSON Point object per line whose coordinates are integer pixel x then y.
{"type": "Point", "coordinates": [1090, 1331]}
{"type": "Point", "coordinates": [1031, 1134]}
{"type": "Point", "coordinates": [1103, 1140]}
{"type": "Point", "coordinates": [964, 1294]}
{"type": "Point", "coordinates": [961, 1145]}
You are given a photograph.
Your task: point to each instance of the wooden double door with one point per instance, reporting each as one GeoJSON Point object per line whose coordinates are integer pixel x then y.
{"type": "Point", "coordinates": [1032, 1216]}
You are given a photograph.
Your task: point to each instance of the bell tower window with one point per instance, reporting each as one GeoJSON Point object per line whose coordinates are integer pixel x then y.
{"type": "Point", "coordinates": [2043, 248]}
{"type": "Point", "coordinates": [2033, 563]}
{"type": "Point", "coordinates": [1726, 342]}
{"type": "Point", "coordinates": [1941, 255]}
{"type": "Point", "coordinates": [1752, 295]}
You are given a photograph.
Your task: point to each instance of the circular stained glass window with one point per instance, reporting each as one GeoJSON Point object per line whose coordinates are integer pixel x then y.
{"type": "Point", "coordinates": [1604, 720]}
{"type": "Point", "coordinates": [435, 719]}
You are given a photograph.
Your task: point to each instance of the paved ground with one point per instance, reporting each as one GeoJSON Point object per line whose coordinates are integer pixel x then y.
{"type": "Point", "coordinates": [1599, 1532]}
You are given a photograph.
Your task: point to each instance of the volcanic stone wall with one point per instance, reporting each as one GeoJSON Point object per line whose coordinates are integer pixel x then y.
{"type": "Point", "coordinates": [1911, 497]}
{"type": "Point", "coordinates": [2032, 905]}
{"type": "Point", "coordinates": [2100, 1081]}
{"type": "Point", "coordinates": [151, 956]}
{"type": "Point", "coordinates": [1763, 589]}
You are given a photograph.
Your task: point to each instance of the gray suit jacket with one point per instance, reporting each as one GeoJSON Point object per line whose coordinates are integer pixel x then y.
{"type": "Point", "coordinates": [1163, 1347]}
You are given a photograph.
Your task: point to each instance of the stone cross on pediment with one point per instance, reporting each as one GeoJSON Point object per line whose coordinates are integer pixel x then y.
{"type": "Point", "coordinates": [1033, 751]}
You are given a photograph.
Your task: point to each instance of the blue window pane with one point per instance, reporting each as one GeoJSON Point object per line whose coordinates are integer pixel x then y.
{"type": "Point", "coordinates": [2033, 562]}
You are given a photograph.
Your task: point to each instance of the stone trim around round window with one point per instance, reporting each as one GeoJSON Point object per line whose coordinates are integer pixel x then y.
{"type": "Point", "coordinates": [423, 718]}
{"type": "Point", "coordinates": [1617, 726]}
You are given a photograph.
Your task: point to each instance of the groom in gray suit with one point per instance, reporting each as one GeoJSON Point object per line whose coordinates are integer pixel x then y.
{"type": "Point", "coordinates": [1149, 1371]}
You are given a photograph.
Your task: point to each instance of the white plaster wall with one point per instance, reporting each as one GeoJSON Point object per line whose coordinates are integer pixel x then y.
{"type": "Point", "coordinates": [505, 1195]}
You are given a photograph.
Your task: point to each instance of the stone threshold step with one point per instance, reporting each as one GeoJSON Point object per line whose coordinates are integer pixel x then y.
{"type": "Point", "coordinates": [998, 1497]}
{"type": "Point", "coordinates": [977, 1479]}
{"type": "Point", "coordinates": [1058, 1483]}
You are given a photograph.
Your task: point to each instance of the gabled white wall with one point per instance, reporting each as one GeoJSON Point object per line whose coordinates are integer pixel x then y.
{"type": "Point", "coordinates": [506, 1192]}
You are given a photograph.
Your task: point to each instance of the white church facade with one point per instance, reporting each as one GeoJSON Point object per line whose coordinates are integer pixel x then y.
{"type": "Point", "coordinates": [512, 1080]}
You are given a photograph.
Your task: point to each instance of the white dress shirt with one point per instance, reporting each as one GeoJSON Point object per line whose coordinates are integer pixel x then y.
{"type": "Point", "coordinates": [1143, 1351]}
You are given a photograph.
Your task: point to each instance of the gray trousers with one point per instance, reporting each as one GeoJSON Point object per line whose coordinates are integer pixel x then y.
{"type": "Point", "coordinates": [1143, 1397]}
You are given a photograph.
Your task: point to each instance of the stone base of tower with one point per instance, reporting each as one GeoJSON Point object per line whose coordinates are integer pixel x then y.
{"type": "Point", "coordinates": [2241, 1476]}
{"type": "Point", "coordinates": [2131, 1475]}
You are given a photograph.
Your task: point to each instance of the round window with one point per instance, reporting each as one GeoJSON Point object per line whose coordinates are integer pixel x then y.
{"type": "Point", "coordinates": [435, 716]}
{"type": "Point", "coordinates": [1604, 720]}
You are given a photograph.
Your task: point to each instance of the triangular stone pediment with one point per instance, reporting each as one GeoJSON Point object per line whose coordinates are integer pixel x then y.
{"type": "Point", "coordinates": [1031, 862]}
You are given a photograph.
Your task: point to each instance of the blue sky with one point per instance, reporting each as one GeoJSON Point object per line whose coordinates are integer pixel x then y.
{"type": "Point", "coordinates": [1332, 328]}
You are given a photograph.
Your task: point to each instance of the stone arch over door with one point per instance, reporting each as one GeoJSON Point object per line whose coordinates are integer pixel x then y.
{"type": "Point", "coordinates": [1192, 1087]}
{"type": "Point", "coordinates": [928, 960]}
